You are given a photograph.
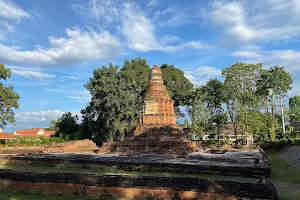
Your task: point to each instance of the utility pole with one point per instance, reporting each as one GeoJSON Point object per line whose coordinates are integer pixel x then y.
{"type": "Point", "coordinates": [282, 117]}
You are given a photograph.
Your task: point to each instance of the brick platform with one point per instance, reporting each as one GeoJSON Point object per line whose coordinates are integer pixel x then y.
{"type": "Point", "coordinates": [163, 187]}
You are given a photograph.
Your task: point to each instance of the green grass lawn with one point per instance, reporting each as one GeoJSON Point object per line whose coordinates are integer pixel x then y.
{"type": "Point", "coordinates": [285, 178]}
{"type": "Point", "coordinates": [281, 170]}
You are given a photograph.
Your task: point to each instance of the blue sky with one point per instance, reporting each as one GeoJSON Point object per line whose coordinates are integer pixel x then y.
{"type": "Point", "coordinates": [52, 47]}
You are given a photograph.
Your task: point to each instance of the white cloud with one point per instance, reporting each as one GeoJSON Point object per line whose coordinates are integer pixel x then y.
{"type": "Point", "coordinates": [99, 14]}
{"type": "Point", "coordinates": [137, 29]}
{"type": "Point", "coordinates": [199, 76]}
{"type": "Point", "coordinates": [37, 119]}
{"type": "Point", "coordinates": [10, 14]}
{"type": "Point", "coordinates": [79, 46]}
{"type": "Point", "coordinates": [11, 11]}
{"type": "Point", "coordinates": [81, 96]}
{"type": "Point", "coordinates": [167, 39]}
{"type": "Point", "coordinates": [140, 33]}
{"type": "Point", "coordinates": [257, 21]}
{"type": "Point", "coordinates": [153, 3]}
{"type": "Point", "coordinates": [286, 58]}
{"type": "Point", "coordinates": [246, 54]}
{"type": "Point", "coordinates": [135, 26]}
{"type": "Point", "coordinates": [32, 74]}
{"type": "Point", "coordinates": [73, 77]}
{"type": "Point", "coordinates": [174, 16]}
{"type": "Point", "coordinates": [5, 26]}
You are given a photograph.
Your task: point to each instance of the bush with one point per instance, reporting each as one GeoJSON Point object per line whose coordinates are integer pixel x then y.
{"type": "Point", "coordinates": [278, 144]}
{"type": "Point", "coordinates": [210, 142]}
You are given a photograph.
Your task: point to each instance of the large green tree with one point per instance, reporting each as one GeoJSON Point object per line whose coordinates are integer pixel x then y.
{"type": "Point", "coordinates": [8, 98]}
{"type": "Point", "coordinates": [111, 106]}
{"type": "Point", "coordinates": [240, 93]}
{"type": "Point", "coordinates": [198, 112]}
{"type": "Point", "coordinates": [134, 76]}
{"type": "Point", "coordinates": [273, 85]}
{"type": "Point", "coordinates": [294, 108]}
{"type": "Point", "coordinates": [213, 95]}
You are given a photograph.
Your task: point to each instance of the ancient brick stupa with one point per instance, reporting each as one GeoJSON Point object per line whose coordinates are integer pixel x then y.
{"type": "Point", "coordinates": [158, 108]}
{"type": "Point", "coordinates": [156, 131]}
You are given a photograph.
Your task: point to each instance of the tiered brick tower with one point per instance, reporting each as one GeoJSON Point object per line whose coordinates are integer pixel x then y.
{"type": "Point", "coordinates": [158, 106]}
{"type": "Point", "coordinates": [156, 131]}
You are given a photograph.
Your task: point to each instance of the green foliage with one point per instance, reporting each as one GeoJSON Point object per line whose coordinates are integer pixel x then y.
{"type": "Point", "coordinates": [117, 98]}
{"type": "Point", "coordinates": [179, 87]}
{"type": "Point", "coordinates": [53, 125]}
{"type": "Point", "coordinates": [258, 125]}
{"type": "Point", "coordinates": [135, 77]}
{"type": "Point", "coordinates": [199, 113]}
{"type": "Point", "coordinates": [278, 144]}
{"type": "Point", "coordinates": [8, 99]}
{"type": "Point", "coordinates": [213, 94]}
{"type": "Point", "coordinates": [273, 84]}
{"type": "Point", "coordinates": [275, 81]}
{"type": "Point", "coordinates": [67, 127]}
{"type": "Point", "coordinates": [294, 106]}
{"type": "Point", "coordinates": [186, 123]}
{"type": "Point", "coordinates": [114, 105]}
{"type": "Point", "coordinates": [240, 93]}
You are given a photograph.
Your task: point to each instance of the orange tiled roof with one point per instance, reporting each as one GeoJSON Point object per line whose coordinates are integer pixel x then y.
{"type": "Point", "coordinates": [28, 132]}
{"type": "Point", "coordinates": [6, 136]}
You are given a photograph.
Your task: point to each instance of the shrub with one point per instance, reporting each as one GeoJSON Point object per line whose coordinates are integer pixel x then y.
{"type": "Point", "coordinates": [278, 144]}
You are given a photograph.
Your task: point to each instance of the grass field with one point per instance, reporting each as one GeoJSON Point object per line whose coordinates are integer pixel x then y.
{"type": "Point", "coordinates": [285, 178]}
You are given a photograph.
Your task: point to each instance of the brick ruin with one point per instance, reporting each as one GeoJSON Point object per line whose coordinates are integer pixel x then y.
{"type": "Point", "coordinates": [156, 131]}
{"type": "Point", "coordinates": [158, 106]}
{"type": "Point", "coordinates": [134, 186]}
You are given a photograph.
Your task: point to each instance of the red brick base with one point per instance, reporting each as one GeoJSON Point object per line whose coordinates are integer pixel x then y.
{"type": "Point", "coordinates": [117, 192]}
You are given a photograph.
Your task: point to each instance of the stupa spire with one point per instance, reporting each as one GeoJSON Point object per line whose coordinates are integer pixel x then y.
{"type": "Point", "coordinates": [158, 106]}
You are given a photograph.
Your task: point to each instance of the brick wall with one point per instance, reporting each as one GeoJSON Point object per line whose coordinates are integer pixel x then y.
{"type": "Point", "coordinates": [92, 184]}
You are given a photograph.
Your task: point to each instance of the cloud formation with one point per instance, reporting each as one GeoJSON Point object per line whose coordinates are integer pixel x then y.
{"type": "Point", "coordinates": [32, 74]}
{"type": "Point", "coordinates": [136, 28]}
{"type": "Point", "coordinates": [37, 119]}
{"type": "Point", "coordinates": [77, 47]}
{"type": "Point", "coordinates": [10, 14]}
{"type": "Point", "coordinates": [256, 21]}
{"type": "Point", "coordinates": [199, 76]}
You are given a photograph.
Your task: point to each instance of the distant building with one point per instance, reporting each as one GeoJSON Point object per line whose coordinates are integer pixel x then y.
{"type": "Point", "coordinates": [4, 137]}
{"type": "Point", "coordinates": [227, 134]}
{"type": "Point", "coordinates": [35, 132]}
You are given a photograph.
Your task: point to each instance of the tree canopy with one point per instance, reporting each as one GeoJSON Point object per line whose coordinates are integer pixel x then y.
{"type": "Point", "coordinates": [246, 99]}
{"type": "Point", "coordinates": [294, 104]}
{"type": "Point", "coordinates": [8, 98]}
{"type": "Point", "coordinates": [117, 96]}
